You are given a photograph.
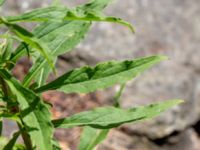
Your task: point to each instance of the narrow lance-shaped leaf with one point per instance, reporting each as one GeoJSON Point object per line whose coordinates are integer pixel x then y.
{"type": "Point", "coordinates": [52, 13]}
{"type": "Point", "coordinates": [94, 16]}
{"type": "Point", "coordinates": [110, 117]}
{"type": "Point", "coordinates": [10, 145]}
{"type": "Point", "coordinates": [60, 13]}
{"type": "Point", "coordinates": [34, 112]}
{"type": "Point", "coordinates": [91, 137]}
{"type": "Point", "coordinates": [89, 79]}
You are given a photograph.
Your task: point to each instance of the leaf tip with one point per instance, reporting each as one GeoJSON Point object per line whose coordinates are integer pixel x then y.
{"type": "Point", "coordinates": [163, 57]}
{"type": "Point", "coordinates": [175, 102]}
{"type": "Point", "coordinates": [179, 101]}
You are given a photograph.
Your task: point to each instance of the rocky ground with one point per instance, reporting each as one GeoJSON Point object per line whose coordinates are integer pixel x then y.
{"type": "Point", "coordinates": [170, 28]}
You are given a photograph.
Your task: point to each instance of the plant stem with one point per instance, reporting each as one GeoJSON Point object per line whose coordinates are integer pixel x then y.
{"type": "Point", "coordinates": [25, 136]}
{"type": "Point", "coordinates": [118, 95]}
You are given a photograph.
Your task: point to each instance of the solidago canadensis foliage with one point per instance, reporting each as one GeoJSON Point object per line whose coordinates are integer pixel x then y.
{"type": "Point", "coordinates": [57, 31]}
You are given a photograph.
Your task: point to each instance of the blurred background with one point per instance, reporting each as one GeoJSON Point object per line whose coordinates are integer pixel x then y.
{"type": "Point", "coordinates": [164, 27]}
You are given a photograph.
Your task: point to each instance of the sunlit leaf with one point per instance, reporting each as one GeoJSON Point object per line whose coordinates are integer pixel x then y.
{"type": "Point", "coordinates": [104, 75]}
{"type": "Point", "coordinates": [54, 13]}
{"type": "Point", "coordinates": [110, 117]}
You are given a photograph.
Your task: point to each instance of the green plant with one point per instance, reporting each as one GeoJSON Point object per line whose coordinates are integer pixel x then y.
{"type": "Point", "coordinates": [59, 29]}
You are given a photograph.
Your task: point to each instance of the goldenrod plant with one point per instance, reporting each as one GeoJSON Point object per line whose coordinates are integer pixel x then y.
{"type": "Point", "coordinates": [57, 30]}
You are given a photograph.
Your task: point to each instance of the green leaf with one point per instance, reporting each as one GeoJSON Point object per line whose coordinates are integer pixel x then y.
{"type": "Point", "coordinates": [88, 79]}
{"type": "Point", "coordinates": [53, 13]}
{"type": "Point", "coordinates": [57, 40]}
{"type": "Point", "coordinates": [110, 117]}
{"type": "Point", "coordinates": [11, 143]}
{"type": "Point", "coordinates": [60, 38]}
{"type": "Point", "coordinates": [34, 112]}
{"type": "Point", "coordinates": [60, 13]}
{"type": "Point", "coordinates": [91, 137]}
{"type": "Point", "coordinates": [94, 16]}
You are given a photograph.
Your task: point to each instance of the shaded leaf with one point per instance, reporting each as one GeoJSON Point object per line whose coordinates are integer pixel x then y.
{"type": "Point", "coordinates": [91, 137]}
{"type": "Point", "coordinates": [110, 117]}
{"type": "Point", "coordinates": [34, 113]}
{"type": "Point", "coordinates": [104, 75]}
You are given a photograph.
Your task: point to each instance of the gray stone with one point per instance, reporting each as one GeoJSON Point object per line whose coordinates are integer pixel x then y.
{"type": "Point", "coordinates": [162, 27]}
{"type": "Point", "coordinates": [117, 140]}
{"type": "Point", "coordinates": [187, 140]}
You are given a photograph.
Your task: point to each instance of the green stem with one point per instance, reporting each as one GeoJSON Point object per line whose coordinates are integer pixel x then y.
{"type": "Point", "coordinates": [118, 95]}
{"type": "Point", "coordinates": [25, 136]}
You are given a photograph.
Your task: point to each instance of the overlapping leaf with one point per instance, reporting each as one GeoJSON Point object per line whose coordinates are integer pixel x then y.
{"type": "Point", "coordinates": [34, 113]}
{"type": "Point", "coordinates": [89, 79]}
{"type": "Point", "coordinates": [109, 117]}
{"type": "Point", "coordinates": [30, 39]}
{"type": "Point", "coordinates": [60, 38]}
